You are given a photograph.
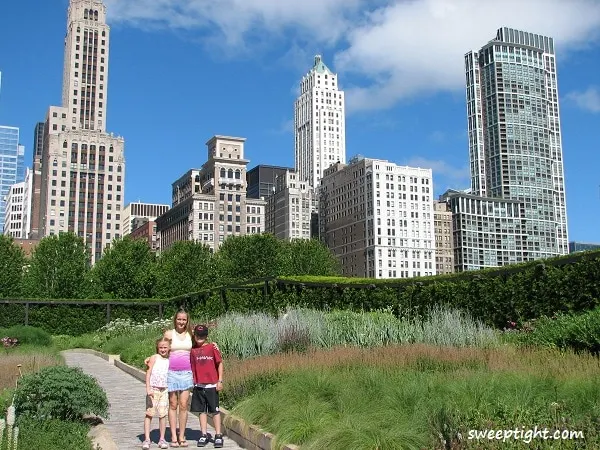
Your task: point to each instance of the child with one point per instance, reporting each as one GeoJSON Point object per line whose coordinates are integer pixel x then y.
{"type": "Point", "coordinates": [207, 367]}
{"type": "Point", "coordinates": [157, 398]}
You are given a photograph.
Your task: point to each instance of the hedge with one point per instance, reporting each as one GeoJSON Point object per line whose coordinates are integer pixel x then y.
{"type": "Point", "coordinates": [76, 317]}
{"type": "Point", "coordinates": [496, 296]}
{"type": "Point", "coordinates": [514, 293]}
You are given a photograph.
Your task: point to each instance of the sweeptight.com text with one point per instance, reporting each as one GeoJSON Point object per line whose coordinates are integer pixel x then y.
{"type": "Point", "coordinates": [525, 435]}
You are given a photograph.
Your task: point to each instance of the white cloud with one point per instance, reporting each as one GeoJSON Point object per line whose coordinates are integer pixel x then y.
{"type": "Point", "coordinates": [417, 47]}
{"type": "Point", "coordinates": [237, 21]}
{"type": "Point", "coordinates": [588, 100]}
{"type": "Point", "coordinates": [397, 48]}
{"type": "Point", "coordinates": [441, 169]}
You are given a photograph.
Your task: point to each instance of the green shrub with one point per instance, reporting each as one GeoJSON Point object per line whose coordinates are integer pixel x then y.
{"type": "Point", "coordinates": [580, 332]}
{"type": "Point", "coordinates": [6, 396]}
{"type": "Point", "coordinates": [59, 392]}
{"type": "Point", "coordinates": [53, 435]}
{"type": "Point", "coordinates": [27, 335]}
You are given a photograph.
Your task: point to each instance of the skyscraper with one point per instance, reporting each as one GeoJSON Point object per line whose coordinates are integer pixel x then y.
{"type": "Point", "coordinates": [83, 167]}
{"type": "Point", "coordinates": [11, 164]}
{"type": "Point", "coordinates": [38, 143]}
{"type": "Point", "coordinates": [36, 185]}
{"type": "Point", "coordinates": [515, 145]}
{"type": "Point", "coordinates": [319, 124]}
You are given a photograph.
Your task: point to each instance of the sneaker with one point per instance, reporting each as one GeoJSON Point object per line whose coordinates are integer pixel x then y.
{"type": "Point", "coordinates": [163, 444]}
{"type": "Point", "coordinates": [218, 441]}
{"type": "Point", "coordinates": [146, 445]}
{"type": "Point", "coordinates": [203, 440]}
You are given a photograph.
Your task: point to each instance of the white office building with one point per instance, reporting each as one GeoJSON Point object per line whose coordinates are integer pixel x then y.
{"type": "Point", "coordinates": [83, 167]}
{"type": "Point", "coordinates": [288, 210]}
{"type": "Point", "coordinates": [319, 124]}
{"type": "Point", "coordinates": [378, 218]}
{"type": "Point", "coordinates": [17, 217]}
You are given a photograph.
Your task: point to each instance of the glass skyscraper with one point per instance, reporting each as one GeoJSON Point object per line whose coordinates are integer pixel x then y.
{"type": "Point", "coordinates": [12, 166]}
{"type": "Point", "coordinates": [515, 145]}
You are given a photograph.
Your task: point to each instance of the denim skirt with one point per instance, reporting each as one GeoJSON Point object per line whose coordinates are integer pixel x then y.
{"type": "Point", "coordinates": [179, 380]}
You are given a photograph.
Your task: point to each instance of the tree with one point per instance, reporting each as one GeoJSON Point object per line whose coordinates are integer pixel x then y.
{"type": "Point", "coordinates": [308, 257]}
{"type": "Point", "coordinates": [185, 267]}
{"type": "Point", "coordinates": [58, 268]}
{"type": "Point", "coordinates": [126, 270]}
{"type": "Point", "coordinates": [242, 258]}
{"type": "Point", "coordinates": [12, 261]}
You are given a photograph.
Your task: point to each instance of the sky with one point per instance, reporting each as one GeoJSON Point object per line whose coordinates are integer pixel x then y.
{"type": "Point", "coordinates": [181, 71]}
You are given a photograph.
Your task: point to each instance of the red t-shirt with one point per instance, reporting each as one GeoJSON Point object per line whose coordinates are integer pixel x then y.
{"type": "Point", "coordinates": [204, 361]}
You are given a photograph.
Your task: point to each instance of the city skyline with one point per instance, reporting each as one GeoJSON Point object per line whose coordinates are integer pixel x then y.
{"type": "Point", "coordinates": [427, 131]}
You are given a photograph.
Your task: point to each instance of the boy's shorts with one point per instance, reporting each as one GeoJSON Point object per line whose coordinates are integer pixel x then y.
{"type": "Point", "coordinates": [157, 404]}
{"type": "Point", "coordinates": [205, 400]}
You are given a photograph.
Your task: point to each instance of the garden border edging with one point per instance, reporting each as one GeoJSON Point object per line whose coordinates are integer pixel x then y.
{"type": "Point", "coordinates": [247, 436]}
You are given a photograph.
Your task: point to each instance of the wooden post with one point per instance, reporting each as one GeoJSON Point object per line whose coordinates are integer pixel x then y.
{"type": "Point", "coordinates": [26, 313]}
{"type": "Point", "coordinates": [224, 299]}
{"type": "Point", "coordinates": [266, 292]}
{"type": "Point", "coordinates": [160, 311]}
{"type": "Point", "coordinates": [108, 313]}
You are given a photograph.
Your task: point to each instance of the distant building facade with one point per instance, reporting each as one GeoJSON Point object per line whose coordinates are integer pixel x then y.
{"type": "Point", "coordinates": [17, 209]}
{"type": "Point", "coordinates": [261, 180]}
{"type": "Point", "coordinates": [145, 230]}
{"type": "Point", "coordinates": [27, 245]}
{"type": "Point", "coordinates": [133, 212]}
{"type": "Point", "coordinates": [488, 232]}
{"type": "Point", "coordinates": [288, 210]}
{"type": "Point", "coordinates": [442, 224]}
{"type": "Point", "coordinates": [38, 148]}
{"type": "Point", "coordinates": [377, 218]}
{"type": "Point", "coordinates": [582, 247]}
{"type": "Point", "coordinates": [514, 134]}
{"type": "Point", "coordinates": [209, 204]}
{"type": "Point", "coordinates": [11, 164]}
{"type": "Point", "coordinates": [319, 123]}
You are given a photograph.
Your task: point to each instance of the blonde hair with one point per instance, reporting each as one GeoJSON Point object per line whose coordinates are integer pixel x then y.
{"type": "Point", "coordinates": [162, 339]}
{"type": "Point", "coordinates": [188, 326]}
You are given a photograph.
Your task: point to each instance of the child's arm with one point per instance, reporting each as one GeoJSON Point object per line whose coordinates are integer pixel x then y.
{"type": "Point", "coordinates": [220, 372]}
{"type": "Point", "coordinates": [148, 373]}
{"type": "Point", "coordinates": [193, 366]}
{"type": "Point", "coordinates": [219, 363]}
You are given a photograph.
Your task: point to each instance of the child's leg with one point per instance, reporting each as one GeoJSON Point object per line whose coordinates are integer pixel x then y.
{"type": "Point", "coordinates": [217, 422]}
{"type": "Point", "coordinates": [162, 427]}
{"type": "Point", "coordinates": [203, 422]}
{"type": "Point", "coordinates": [147, 422]}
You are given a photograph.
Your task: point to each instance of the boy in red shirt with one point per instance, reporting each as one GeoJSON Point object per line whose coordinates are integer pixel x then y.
{"type": "Point", "coordinates": [207, 368]}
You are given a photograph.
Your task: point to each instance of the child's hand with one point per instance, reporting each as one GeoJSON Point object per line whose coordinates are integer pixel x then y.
{"type": "Point", "coordinates": [219, 386]}
{"type": "Point", "coordinates": [147, 361]}
{"type": "Point", "coordinates": [149, 392]}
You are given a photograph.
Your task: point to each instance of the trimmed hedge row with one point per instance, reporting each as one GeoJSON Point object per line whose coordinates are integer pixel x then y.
{"type": "Point", "coordinates": [495, 296]}
{"type": "Point", "coordinates": [74, 318]}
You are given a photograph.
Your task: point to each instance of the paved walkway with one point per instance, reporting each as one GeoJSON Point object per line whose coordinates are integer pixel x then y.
{"type": "Point", "coordinates": [126, 396]}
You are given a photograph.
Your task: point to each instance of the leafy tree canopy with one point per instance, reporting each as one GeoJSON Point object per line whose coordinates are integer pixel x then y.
{"type": "Point", "coordinates": [58, 267]}
{"type": "Point", "coordinates": [12, 260]}
{"type": "Point", "coordinates": [126, 270]}
{"type": "Point", "coordinates": [185, 267]}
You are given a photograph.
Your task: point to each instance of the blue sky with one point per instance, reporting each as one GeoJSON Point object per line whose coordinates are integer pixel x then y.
{"type": "Point", "coordinates": [184, 70]}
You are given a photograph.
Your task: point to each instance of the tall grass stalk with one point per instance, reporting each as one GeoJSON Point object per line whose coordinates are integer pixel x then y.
{"type": "Point", "coordinates": [246, 336]}
{"type": "Point", "coordinates": [30, 361]}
